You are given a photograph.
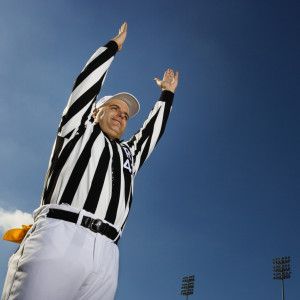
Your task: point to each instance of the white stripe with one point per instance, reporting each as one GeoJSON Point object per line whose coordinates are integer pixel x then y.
{"type": "Point", "coordinates": [87, 83]}
{"type": "Point", "coordinates": [121, 206]}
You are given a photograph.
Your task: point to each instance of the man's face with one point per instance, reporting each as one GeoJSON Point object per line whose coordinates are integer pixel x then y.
{"type": "Point", "coordinates": [112, 118]}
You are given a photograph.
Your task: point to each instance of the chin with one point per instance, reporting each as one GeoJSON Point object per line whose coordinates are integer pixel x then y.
{"type": "Point", "coordinates": [117, 132]}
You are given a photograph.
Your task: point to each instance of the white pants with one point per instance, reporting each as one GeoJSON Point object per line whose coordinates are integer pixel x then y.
{"type": "Point", "coordinates": [60, 260]}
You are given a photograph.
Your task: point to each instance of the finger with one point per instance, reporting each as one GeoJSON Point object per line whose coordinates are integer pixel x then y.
{"type": "Point", "coordinates": [176, 76]}
{"type": "Point", "coordinates": [166, 75]}
{"type": "Point", "coordinates": [175, 80]}
{"type": "Point", "coordinates": [169, 73]}
{"type": "Point", "coordinates": [124, 27]}
{"type": "Point", "coordinates": [158, 81]}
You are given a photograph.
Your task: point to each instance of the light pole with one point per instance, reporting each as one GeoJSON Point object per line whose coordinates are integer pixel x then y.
{"type": "Point", "coordinates": [187, 287]}
{"type": "Point", "coordinates": [281, 269]}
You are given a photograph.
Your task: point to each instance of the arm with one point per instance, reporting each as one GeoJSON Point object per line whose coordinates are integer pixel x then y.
{"type": "Point", "coordinates": [143, 142]}
{"type": "Point", "coordinates": [88, 84]}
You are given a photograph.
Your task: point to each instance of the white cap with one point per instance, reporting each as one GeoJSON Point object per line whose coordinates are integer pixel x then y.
{"type": "Point", "coordinates": [128, 99]}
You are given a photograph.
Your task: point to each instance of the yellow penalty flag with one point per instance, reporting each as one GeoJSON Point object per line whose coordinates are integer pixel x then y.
{"type": "Point", "coordinates": [16, 235]}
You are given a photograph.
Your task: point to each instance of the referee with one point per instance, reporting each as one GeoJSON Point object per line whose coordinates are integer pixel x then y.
{"type": "Point", "coordinates": [71, 250]}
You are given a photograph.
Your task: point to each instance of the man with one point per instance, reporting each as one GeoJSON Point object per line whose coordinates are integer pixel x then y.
{"type": "Point", "coordinates": [71, 250]}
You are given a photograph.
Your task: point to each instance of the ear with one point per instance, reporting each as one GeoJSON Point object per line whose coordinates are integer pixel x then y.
{"type": "Point", "coordinates": [95, 112]}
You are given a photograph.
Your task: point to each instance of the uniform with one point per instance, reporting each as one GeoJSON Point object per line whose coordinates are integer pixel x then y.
{"type": "Point", "coordinates": [71, 250]}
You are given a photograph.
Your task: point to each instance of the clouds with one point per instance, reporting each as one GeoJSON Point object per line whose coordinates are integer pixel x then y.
{"type": "Point", "coordinates": [14, 219]}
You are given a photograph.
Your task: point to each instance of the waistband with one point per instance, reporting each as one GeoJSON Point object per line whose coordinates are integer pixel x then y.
{"type": "Point", "coordinates": [80, 217]}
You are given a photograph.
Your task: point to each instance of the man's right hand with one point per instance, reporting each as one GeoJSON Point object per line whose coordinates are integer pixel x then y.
{"type": "Point", "coordinates": [120, 38]}
{"type": "Point", "coordinates": [169, 82]}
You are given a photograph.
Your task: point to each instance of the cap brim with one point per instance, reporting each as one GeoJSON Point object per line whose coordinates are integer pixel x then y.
{"type": "Point", "coordinates": [130, 100]}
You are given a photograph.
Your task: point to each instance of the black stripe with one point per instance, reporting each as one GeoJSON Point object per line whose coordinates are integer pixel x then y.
{"type": "Point", "coordinates": [96, 63]}
{"type": "Point", "coordinates": [98, 181]}
{"type": "Point", "coordinates": [59, 165]}
{"type": "Point", "coordinates": [81, 102]}
{"type": "Point", "coordinates": [78, 170]}
{"type": "Point", "coordinates": [111, 212]}
{"type": "Point", "coordinates": [58, 146]}
{"type": "Point", "coordinates": [88, 111]}
{"type": "Point", "coordinates": [69, 134]}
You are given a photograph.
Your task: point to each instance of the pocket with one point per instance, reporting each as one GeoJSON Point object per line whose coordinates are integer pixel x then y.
{"type": "Point", "coordinates": [44, 224]}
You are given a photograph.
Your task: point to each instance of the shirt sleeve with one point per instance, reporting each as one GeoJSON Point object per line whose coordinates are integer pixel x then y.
{"type": "Point", "coordinates": [143, 142]}
{"type": "Point", "coordinates": [86, 88]}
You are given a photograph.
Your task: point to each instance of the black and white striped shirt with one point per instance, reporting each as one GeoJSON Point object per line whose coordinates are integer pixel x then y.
{"type": "Point", "coordinates": [86, 169]}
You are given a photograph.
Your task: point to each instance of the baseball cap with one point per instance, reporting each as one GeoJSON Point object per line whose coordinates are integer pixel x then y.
{"type": "Point", "coordinates": [128, 99]}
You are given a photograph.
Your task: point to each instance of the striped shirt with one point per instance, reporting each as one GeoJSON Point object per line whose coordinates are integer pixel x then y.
{"type": "Point", "coordinates": [89, 171]}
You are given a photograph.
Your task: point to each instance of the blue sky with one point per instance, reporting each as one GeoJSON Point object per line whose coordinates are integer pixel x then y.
{"type": "Point", "coordinates": [219, 198]}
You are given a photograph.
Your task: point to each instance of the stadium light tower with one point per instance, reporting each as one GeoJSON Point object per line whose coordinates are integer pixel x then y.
{"type": "Point", "coordinates": [281, 269]}
{"type": "Point", "coordinates": [187, 287]}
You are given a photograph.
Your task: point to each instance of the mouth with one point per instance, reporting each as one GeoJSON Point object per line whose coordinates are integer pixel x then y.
{"type": "Point", "coordinates": [119, 122]}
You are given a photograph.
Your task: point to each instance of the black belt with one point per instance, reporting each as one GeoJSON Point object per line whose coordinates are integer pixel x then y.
{"type": "Point", "coordinates": [95, 225]}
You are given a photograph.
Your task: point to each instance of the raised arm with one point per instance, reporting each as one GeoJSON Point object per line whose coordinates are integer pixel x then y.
{"type": "Point", "coordinates": [88, 84]}
{"type": "Point", "coordinates": [143, 142]}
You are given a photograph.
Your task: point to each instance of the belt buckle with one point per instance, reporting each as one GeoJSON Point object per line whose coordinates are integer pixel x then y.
{"type": "Point", "coordinates": [98, 226]}
{"type": "Point", "coordinates": [95, 225]}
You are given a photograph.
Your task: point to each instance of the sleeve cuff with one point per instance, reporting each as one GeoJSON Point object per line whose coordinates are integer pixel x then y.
{"type": "Point", "coordinates": [112, 45]}
{"type": "Point", "coordinates": [167, 96]}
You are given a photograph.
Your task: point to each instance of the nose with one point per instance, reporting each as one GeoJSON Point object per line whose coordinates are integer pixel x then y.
{"type": "Point", "coordinates": [121, 114]}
